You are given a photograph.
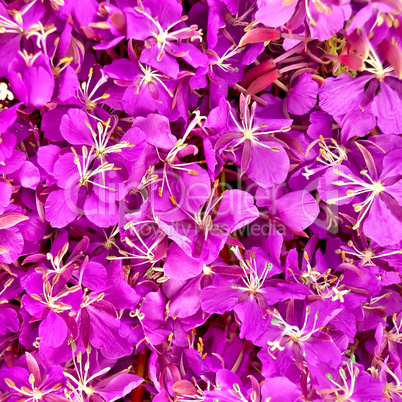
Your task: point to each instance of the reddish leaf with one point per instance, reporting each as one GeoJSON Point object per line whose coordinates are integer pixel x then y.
{"type": "Point", "coordinates": [184, 388]}
{"type": "Point", "coordinates": [359, 43]}
{"type": "Point", "coordinates": [393, 55]}
{"type": "Point", "coordinates": [262, 82]}
{"type": "Point", "coordinates": [258, 35]}
{"type": "Point", "coordinates": [234, 242]}
{"type": "Point", "coordinates": [353, 61]}
{"type": "Point", "coordinates": [256, 71]}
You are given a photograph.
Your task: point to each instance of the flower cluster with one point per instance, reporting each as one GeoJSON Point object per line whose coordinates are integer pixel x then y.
{"type": "Point", "coordinates": [200, 200]}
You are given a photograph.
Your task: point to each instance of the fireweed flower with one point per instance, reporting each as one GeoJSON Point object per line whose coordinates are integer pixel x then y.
{"type": "Point", "coordinates": [331, 153]}
{"type": "Point", "coordinates": [249, 296]}
{"type": "Point", "coordinates": [160, 32]}
{"type": "Point", "coordinates": [364, 97]}
{"type": "Point", "coordinates": [146, 90]}
{"type": "Point", "coordinates": [16, 25]}
{"type": "Point", "coordinates": [177, 175]}
{"type": "Point", "coordinates": [75, 180]}
{"type": "Point", "coordinates": [84, 378]}
{"type": "Point", "coordinates": [30, 380]}
{"type": "Point", "coordinates": [327, 285]}
{"type": "Point", "coordinates": [181, 220]}
{"type": "Point", "coordinates": [89, 182]}
{"type": "Point", "coordinates": [51, 302]}
{"type": "Point", "coordinates": [31, 78]}
{"type": "Point", "coordinates": [86, 93]}
{"type": "Point", "coordinates": [364, 253]}
{"type": "Point", "coordinates": [225, 69]}
{"type": "Point", "coordinates": [381, 197]}
{"type": "Point", "coordinates": [302, 341]}
{"type": "Point", "coordinates": [391, 380]}
{"type": "Point", "coordinates": [107, 146]}
{"type": "Point", "coordinates": [351, 384]}
{"type": "Point", "coordinates": [324, 18]}
{"type": "Point", "coordinates": [204, 234]}
{"type": "Point", "coordinates": [249, 142]}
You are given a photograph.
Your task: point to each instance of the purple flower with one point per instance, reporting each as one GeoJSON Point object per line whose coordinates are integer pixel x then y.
{"type": "Point", "coordinates": [206, 233]}
{"type": "Point", "coordinates": [249, 142]}
{"type": "Point", "coordinates": [86, 379]}
{"type": "Point", "coordinates": [30, 380]}
{"type": "Point", "coordinates": [31, 79]}
{"type": "Point", "coordinates": [163, 31]}
{"type": "Point", "coordinates": [323, 19]}
{"type": "Point", "coordinates": [377, 197]}
{"type": "Point", "coordinates": [249, 296]}
{"type": "Point", "coordinates": [147, 90]}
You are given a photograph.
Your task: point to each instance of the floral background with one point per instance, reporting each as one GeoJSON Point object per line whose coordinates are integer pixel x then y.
{"type": "Point", "coordinates": [200, 200]}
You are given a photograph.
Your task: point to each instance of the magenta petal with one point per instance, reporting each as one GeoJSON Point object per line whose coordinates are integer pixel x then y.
{"type": "Point", "coordinates": [153, 308]}
{"type": "Point", "coordinates": [5, 195]}
{"type": "Point", "coordinates": [275, 172]}
{"type": "Point", "coordinates": [280, 389]}
{"type": "Point", "coordinates": [245, 157]}
{"type": "Point", "coordinates": [327, 24]}
{"type": "Point", "coordinates": [66, 171]}
{"type": "Point", "coordinates": [94, 276]}
{"type": "Point", "coordinates": [102, 214]}
{"type": "Point", "coordinates": [321, 124]}
{"type": "Point", "coordinates": [29, 176]}
{"type": "Point", "coordinates": [236, 210]}
{"type": "Point", "coordinates": [74, 129]}
{"type": "Point", "coordinates": [187, 301]}
{"type": "Point", "coordinates": [273, 13]}
{"type": "Point", "coordinates": [18, 86]}
{"type": "Point", "coordinates": [179, 265]}
{"type": "Point", "coordinates": [40, 85]}
{"type": "Point", "coordinates": [59, 211]}
{"type": "Point", "coordinates": [221, 296]}
{"type": "Point", "coordinates": [297, 210]}
{"type": "Point", "coordinates": [105, 334]}
{"type": "Point", "coordinates": [157, 131]}
{"type": "Point", "coordinates": [9, 320]}
{"type": "Point", "coordinates": [168, 64]}
{"type": "Point", "coordinates": [51, 123]}
{"type": "Point", "coordinates": [47, 157]}
{"type": "Point", "coordinates": [122, 69]}
{"type": "Point", "coordinates": [381, 225]}
{"type": "Point", "coordinates": [117, 386]}
{"type": "Point", "coordinates": [341, 94]}
{"type": "Point", "coordinates": [357, 123]}
{"type": "Point", "coordinates": [250, 316]}
{"type": "Point", "coordinates": [11, 245]}
{"type": "Point", "coordinates": [319, 350]}
{"type": "Point", "coordinates": [303, 96]}
{"type": "Point", "coordinates": [386, 107]}
{"type": "Point", "coordinates": [53, 330]}
{"type": "Point", "coordinates": [396, 191]}
{"type": "Point", "coordinates": [13, 163]}
{"type": "Point", "coordinates": [68, 84]}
